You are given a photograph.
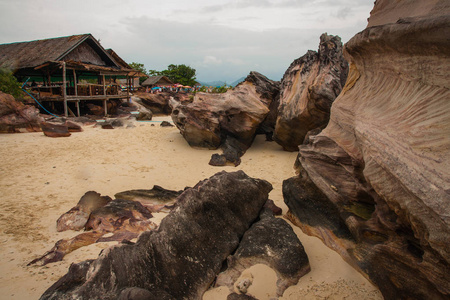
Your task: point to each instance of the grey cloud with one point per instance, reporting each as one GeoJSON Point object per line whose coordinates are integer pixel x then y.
{"type": "Point", "coordinates": [240, 51]}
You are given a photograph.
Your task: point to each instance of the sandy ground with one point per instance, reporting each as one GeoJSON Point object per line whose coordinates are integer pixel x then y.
{"type": "Point", "coordinates": [42, 178]}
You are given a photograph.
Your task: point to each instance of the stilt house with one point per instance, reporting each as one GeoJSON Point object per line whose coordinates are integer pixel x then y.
{"type": "Point", "coordinates": [69, 69]}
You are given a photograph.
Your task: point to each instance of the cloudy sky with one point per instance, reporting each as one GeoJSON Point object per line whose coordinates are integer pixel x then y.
{"type": "Point", "coordinates": [222, 40]}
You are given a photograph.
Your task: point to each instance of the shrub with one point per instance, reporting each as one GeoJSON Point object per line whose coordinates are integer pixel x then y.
{"type": "Point", "coordinates": [9, 84]}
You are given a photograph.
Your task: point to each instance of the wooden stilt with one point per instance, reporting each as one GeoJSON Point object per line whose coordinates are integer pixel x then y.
{"type": "Point", "coordinates": [106, 107]}
{"type": "Point", "coordinates": [75, 83]}
{"type": "Point", "coordinates": [66, 113]}
{"type": "Point", "coordinates": [78, 107]}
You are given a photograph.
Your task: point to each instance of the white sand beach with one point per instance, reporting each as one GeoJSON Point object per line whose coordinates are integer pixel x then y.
{"type": "Point", "coordinates": [42, 178]}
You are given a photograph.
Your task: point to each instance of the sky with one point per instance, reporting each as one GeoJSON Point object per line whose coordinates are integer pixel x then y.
{"type": "Point", "coordinates": [223, 40]}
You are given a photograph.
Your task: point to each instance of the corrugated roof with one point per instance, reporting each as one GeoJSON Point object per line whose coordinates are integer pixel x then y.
{"type": "Point", "coordinates": [155, 79]}
{"type": "Point", "coordinates": [30, 54]}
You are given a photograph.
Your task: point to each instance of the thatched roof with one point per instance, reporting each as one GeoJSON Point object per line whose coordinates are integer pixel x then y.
{"type": "Point", "coordinates": [34, 53]}
{"type": "Point", "coordinates": [157, 80]}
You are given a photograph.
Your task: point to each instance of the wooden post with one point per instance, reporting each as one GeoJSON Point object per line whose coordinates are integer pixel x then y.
{"type": "Point", "coordinates": [106, 107]}
{"type": "Point", "coordinates": [66, 112]}
{"type": "Point", "coordinates": [78, 107]}
{"type": "Point", "coordinates": [104, 86]}
{"type": "Point", "coordinates": [76, 85]}
{"type": "Point", "coordinates": [128, 89]}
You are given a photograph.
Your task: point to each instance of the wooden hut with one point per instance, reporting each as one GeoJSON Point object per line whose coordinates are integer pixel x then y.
{"type": "Point", "coordinates": [71, 69]}
{"type": "Point", "coordinates": [154, 81]}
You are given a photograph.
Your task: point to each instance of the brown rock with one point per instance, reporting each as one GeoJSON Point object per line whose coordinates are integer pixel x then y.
{"type": "Point", "coordinates": [55, 129]}
{"type": "Point", "coordinates": [16, 116]}
{"type": "Point", "coordinates": [157, 103]}
{"type": "Point", "coordinates": [76, 218]}
{"type": "Point", "coordinates": [230, 119]}
{"type": "Point", "coordinates": [181, 259]}
{"type": "Point", "coordinates": [374, 185]}
{"type": "Point", "coordinates": [308, 89]}
{"type": "Point", "coordinates": [126, 219]}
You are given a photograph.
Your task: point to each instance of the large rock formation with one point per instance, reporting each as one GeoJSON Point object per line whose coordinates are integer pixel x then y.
{"type": "Point", "coordinates": [179, 260]}
{"type": "Point", "coordinates": [16, 116]}
{"type": "Point", "coordinates": [308, 88]}
{"type": "Point", "coordinates": [230, 119]}
{"type": "Point", "coordinates": [375, 184]}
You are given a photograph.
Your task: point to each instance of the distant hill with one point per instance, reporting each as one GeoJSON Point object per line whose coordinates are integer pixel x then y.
{"type": "Point", "coordinates": [236, 82]}
{"type": "Point", "coordinates": [212, 83]}
{"type": "Point", "coordinates": [221, 83]}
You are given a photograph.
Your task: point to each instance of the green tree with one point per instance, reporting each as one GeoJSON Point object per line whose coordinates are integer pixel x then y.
{"type": "Point", "coordinates": [140, 67]}
{"type": "Point", "coordinates": [153, 73]}
{"type": "Point", "coordinates": [9, 84]}
{"type": "Point", "coordinates": [182, 74]}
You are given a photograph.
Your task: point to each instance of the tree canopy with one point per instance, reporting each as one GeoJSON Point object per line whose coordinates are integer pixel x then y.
{"type": "Point", "coordinates": [182, 74]}
{"type": "Point", "coordinates": [138, 66]}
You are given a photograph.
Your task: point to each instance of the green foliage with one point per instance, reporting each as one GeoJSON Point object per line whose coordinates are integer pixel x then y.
{"type": "Point", "coordinates": [182, 74]}
{"type": "Point", "coordinates": [140, 67]}
{"type": "Point", "coordinates": [153, 73]}
{"type": "Point", "coordinates": [9, 84]}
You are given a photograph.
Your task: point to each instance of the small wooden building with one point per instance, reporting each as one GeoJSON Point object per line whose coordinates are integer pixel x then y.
{"type": "Point", "coordinates": [154, 81]}
{"type": "Point", "coordinates": [69, 69]}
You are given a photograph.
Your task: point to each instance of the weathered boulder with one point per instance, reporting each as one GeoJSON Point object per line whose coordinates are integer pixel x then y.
{"type": "Point", "coordinates": [52, 129]}
{"type": "Point", "coordinates": [269, 241]}
{"type": "Point", "coordinates": [181, 259]}
{"type": "Point", "coordinates": [308, 88]}
{"type": "Point", "coordinates": [76, 217]}
{"type": "Point", "coordinates": [213, 119]}
{"type": "Point", "coordinates": [17, 117]}
{"type": "Point", "coordinates": [374, 184]}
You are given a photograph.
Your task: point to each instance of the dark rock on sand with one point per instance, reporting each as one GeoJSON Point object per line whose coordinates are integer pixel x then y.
{"type": "Point", "coordinates": [166, 124]}
{"type": "Point", "coordinates": [211, 119]}
{"type": "Point", "coordinates": [181, 258]}
{"type": "Point", "coordinates": [374, 184]}
{"type": "Point", "coordinates": [107, 125]}
{"type": "Point", "coordinates": [270, 241]}
{"type": "Point", "coordinates": [76, 217]}
{"type": "Point", "coordinates": [308, 89]}
{"type": "Point", "coordinates": [218, 160]}
{"type": "Point", "coordinates": [55, 129]}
